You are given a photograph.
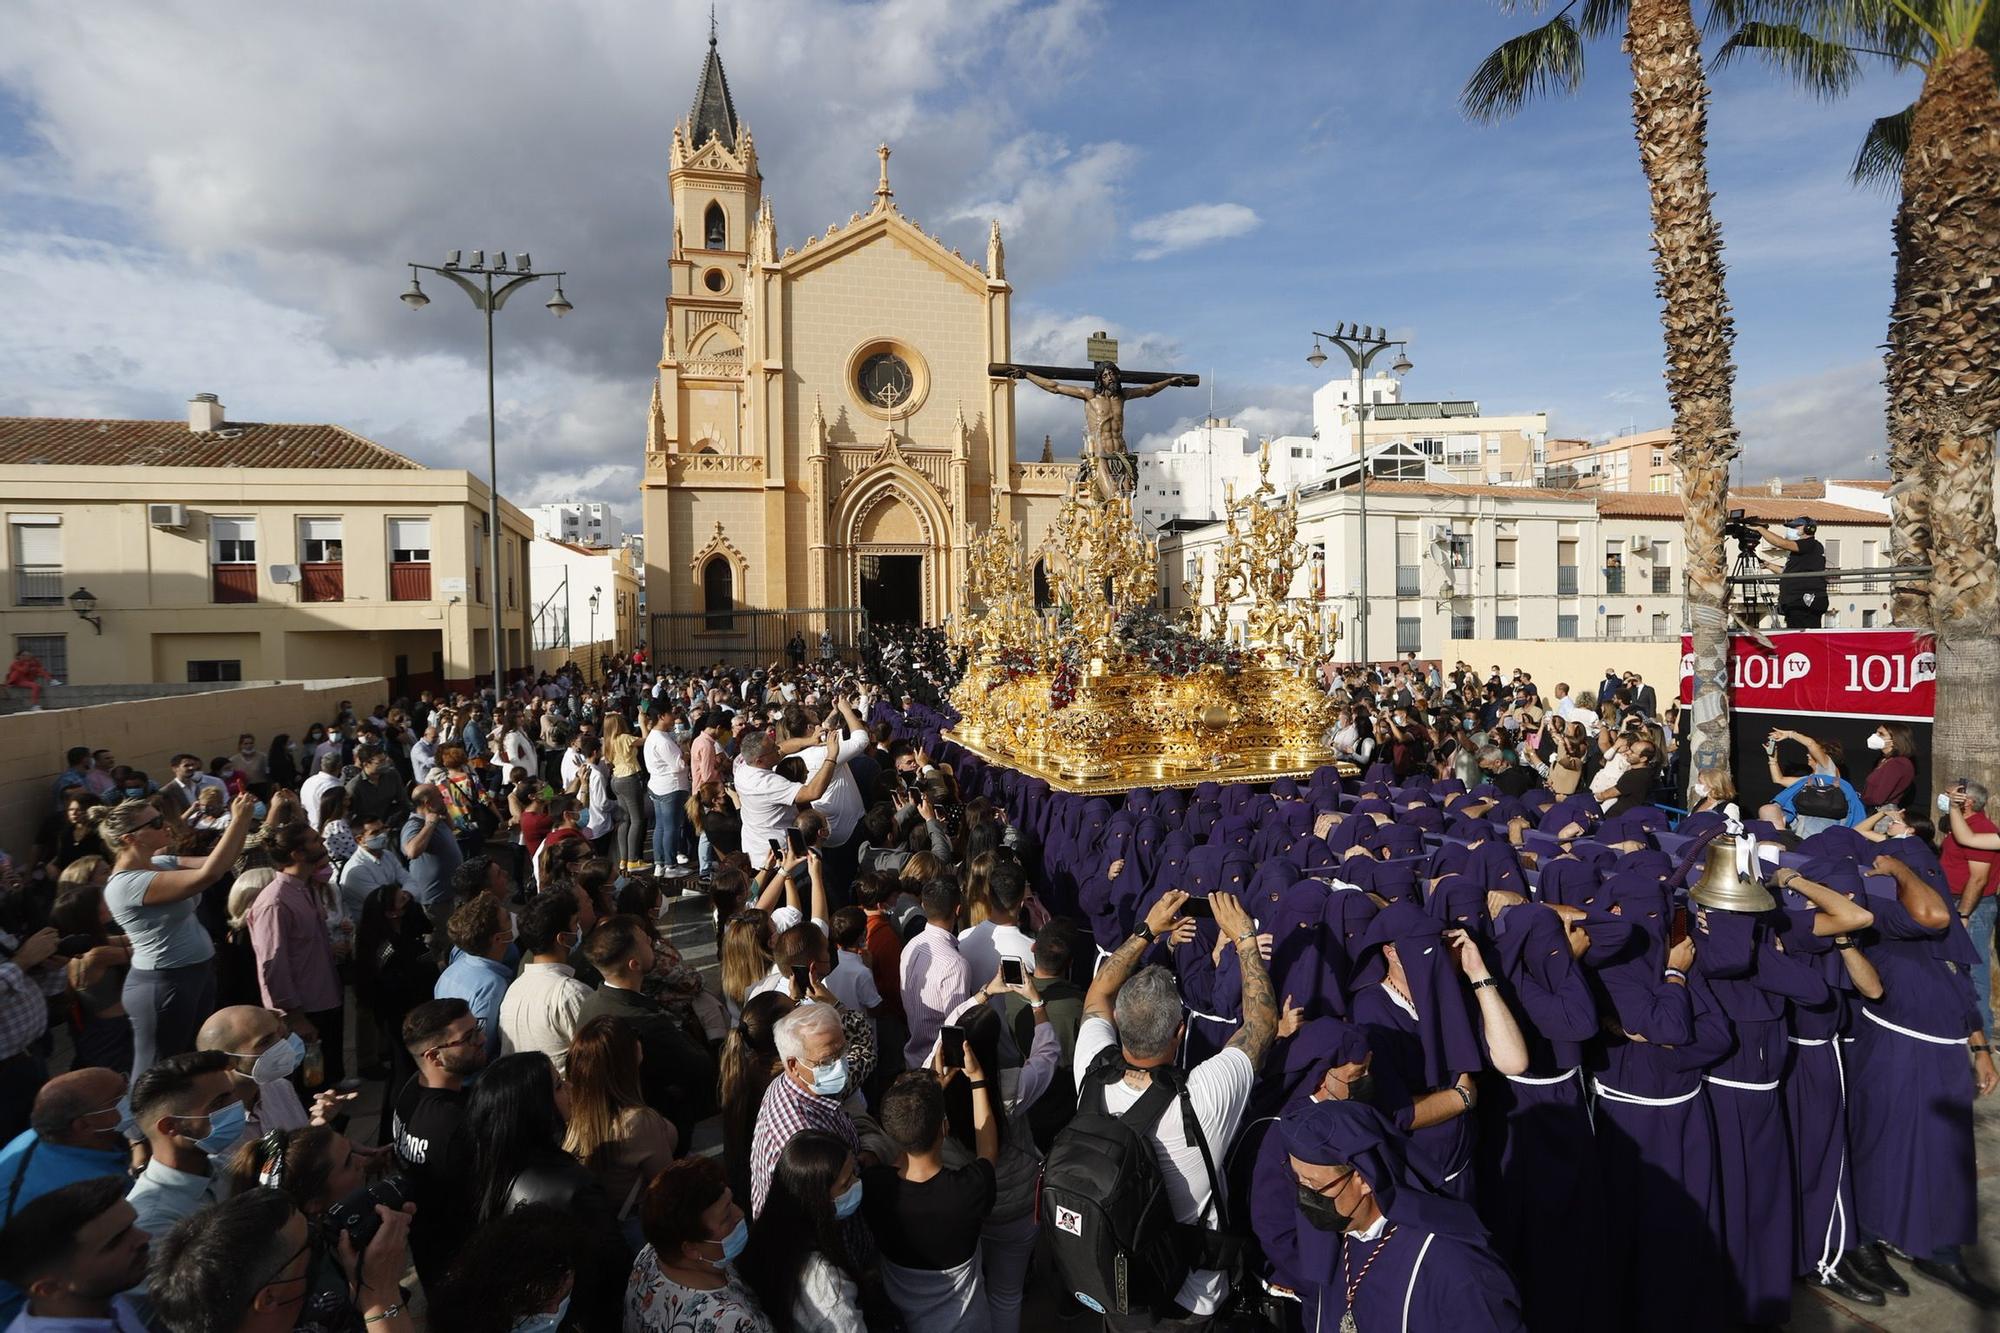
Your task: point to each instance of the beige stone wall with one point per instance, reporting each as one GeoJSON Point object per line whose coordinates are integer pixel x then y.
{"type": "Point", "coordinates": [147, 734]}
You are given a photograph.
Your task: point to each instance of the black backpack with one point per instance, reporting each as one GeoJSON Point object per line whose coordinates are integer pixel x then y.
{"type": "Point", "coordinates": [1104, 1202]}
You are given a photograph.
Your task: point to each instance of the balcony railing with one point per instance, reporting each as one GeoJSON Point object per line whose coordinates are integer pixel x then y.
{"type": "Point", "coordinates": [38, 585]}
{"type": "Point", "coordinates": [1614, 579]}
{"type": "Point", "coordinates": [1663, 582]}
{"type": "Point", "coordinates": [322, 582]}
{"type": "Point", "coordinates": [235, 583]}
{"type": "Point", "coordinates": [1565, 580]}
{"type": "Point", "coordinates": [1407, 581]}
{"type": "Point", "coordinates": [410, 581]}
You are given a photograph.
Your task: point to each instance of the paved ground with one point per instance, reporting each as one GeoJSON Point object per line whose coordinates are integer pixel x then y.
{"type": "Point", "coordinates": [1927, 1309]}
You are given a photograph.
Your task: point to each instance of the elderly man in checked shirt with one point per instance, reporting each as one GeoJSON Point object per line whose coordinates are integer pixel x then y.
{"type": "Point", "coordinates": [27, 983]}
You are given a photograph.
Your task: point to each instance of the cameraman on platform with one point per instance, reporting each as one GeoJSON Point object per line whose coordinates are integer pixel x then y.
{"type": "Point", "coordinates": [1802, 601]}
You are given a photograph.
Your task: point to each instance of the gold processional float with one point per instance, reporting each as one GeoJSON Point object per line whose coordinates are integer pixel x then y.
{"type": "Point", "coordinates": [1103, 691]}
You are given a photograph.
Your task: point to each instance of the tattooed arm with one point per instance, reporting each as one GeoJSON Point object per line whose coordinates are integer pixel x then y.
{"type": "Point", "coordinates": [1260, 1005]}
{"type": "Point", "coordinates": [1104, 987]}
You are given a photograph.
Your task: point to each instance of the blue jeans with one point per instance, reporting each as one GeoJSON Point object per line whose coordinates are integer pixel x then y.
{"type": "Point", "coordinates": [1981, 928]}
{"type": "Point", "coordinates": [669, 815]}
{"type": "Point", "coordinates": [706, 859]}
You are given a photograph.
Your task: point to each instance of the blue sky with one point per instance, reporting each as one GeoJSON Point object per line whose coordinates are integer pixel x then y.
{"type": "Point", "coordinates": [217, 196]}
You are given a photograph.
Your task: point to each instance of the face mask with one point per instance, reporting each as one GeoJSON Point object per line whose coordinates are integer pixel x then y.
{"type": "Point", "coordinates": [259, 810]}
{"type": "Point", "coordinates": [1361, 1089]}
{"type": "Point", "coordinates": [733, 1243]}
{"type": "Point", "coordinates": [849, 1200]}
{"type": "Point", "coordinates": [1321, 1212]}
{"type": "Point", "coordinates": [543, 1323]}
{"type": "Point", "coordinates": [225, 1128]}
{"type": "Point", "coordinates": [278, 1060]}
{"type": "Point", "coordinates": [1944, 803]}
{"type": "Point", "coordinates": [1701, 791]}
{"type": "Point", "coordinates": [134, 793]}
{"type": "Point", "coordinates": [830, 1080]}
{"type": "Point", "coordinates": [1876, 742]}
{"type": "Point", "coordinates": [324, 874]}
{"type": "Point", "coordinates": [378, 842]}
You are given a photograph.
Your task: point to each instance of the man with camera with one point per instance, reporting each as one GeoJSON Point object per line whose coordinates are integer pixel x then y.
{"type": "Point", "coordinates": [1801, 601]}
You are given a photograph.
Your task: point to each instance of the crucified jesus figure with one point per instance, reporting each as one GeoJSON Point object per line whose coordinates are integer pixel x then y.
{"type": "Point", "coordinates": [1112, 468]}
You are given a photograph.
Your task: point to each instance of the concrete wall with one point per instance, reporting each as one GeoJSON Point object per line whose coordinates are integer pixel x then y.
{"type": "Point", "coordinates": [588, 656]}
{"type": "Point", "coordinates": [1581, 664]}
{"type": "Point", "coordinates": [147, 733]}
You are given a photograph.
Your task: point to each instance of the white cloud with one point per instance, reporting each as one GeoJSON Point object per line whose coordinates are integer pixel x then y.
{"type": "Point", "coordinates": [217, 195]}
{"type": "Point", "coordinates": [1826, 424]}
{"type": "Point", "coordinates": [1185, 228]}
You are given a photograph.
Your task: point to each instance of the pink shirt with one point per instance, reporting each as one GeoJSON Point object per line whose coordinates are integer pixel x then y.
{"type": "Point", "coordinates": [705, 758]}
{"type": "Point", "coordinates": [935, 981]}
{"type": "Point", "coordinates": [295, 968]}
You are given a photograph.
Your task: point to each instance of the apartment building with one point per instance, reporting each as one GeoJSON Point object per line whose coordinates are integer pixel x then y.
{"type": "Point", "coordinates": [1454, 563]}
{"type": "Point", "coordinates": [585, 522]}
{"type": "Point", "coordinates": [211, 550]}
{"type": "Point", "coordinates": [1640, 462]}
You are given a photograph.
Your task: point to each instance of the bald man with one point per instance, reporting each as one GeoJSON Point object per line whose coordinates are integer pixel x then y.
{"type": "Point", "coordinates": [72, 1135]}
{"type": "Point", "coordinates": [262, 1054]}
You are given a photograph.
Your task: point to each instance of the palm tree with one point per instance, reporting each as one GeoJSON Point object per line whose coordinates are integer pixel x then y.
{"type": "Point", "coordinates": [1824, 45]}
{"type": "Point", "coordinates": [1670, 116]}
{"type": "Point", "coordinates": [1944, 338]}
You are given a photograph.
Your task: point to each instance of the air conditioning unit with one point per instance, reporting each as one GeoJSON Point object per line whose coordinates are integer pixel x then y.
{"type": "Point", "coordinates": [166, 516]}
{"type": "Point", "coordinates": [1642, 544]}
{"type": "Point", "coordinates": [284, 573]}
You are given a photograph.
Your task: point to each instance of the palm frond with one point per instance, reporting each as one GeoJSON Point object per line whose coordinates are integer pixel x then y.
{"type": "Point", "coordinates": [1602, 16]}
{"type": "Point", "coordinates": [1824, 68]}
{"type": "Point", "coordinates": [1879, 163]}
{"type": "Point", "coordinates": [1548, 59]}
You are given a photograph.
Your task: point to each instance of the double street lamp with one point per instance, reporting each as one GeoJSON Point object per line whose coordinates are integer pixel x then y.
{"type": "Point", "coordinates": [1362, 344]}
{"type": "Point", "coordinates": [488, 299]}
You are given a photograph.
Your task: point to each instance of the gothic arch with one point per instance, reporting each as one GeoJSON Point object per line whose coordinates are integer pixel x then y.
{"type": "Point", "coordinates": [730, 576]}
{"type": "Point", "coordinates": [715, 228]}
{"type": "Point", "coordinates": [880, 485]}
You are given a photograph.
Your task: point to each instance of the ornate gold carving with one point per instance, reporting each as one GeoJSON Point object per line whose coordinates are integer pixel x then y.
{"type": "Point", "coordinates": [1102, 691]}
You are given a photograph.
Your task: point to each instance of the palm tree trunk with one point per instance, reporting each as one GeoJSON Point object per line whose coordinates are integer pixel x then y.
{"type": "Point", "coordinates": [1912, 460]}
{"type": "Point", "coordinates": [1670, 114]}
{"type": "Point", "coordinates": [1950, 308]}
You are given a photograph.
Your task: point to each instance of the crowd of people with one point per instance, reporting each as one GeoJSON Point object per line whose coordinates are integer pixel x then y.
{"type": "Point", "coordinates": [1479, 1030]}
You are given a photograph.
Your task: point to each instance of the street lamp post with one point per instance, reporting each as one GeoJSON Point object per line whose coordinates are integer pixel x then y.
{"type": "Point", "coordinates": [1362, 344]}
{"type": "Point", "coordinates": [488, 299]}
{"type": "Point", "coordinates": [595, 593]}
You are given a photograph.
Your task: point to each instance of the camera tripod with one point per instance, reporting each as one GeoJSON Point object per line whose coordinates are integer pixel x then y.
{"type": "Point", "coordinates": [1752, 601]}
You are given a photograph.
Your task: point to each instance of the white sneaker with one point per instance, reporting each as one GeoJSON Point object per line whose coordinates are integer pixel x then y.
{"type": "Point", "coordinates": [659, 869]}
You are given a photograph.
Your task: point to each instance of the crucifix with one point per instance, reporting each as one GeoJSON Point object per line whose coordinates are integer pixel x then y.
{"type": "Point", "coordinates": [1112, 468]}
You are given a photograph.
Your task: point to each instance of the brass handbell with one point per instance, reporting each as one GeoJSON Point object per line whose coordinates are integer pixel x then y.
{"type": "Point", "coordinates": [1723, 888]}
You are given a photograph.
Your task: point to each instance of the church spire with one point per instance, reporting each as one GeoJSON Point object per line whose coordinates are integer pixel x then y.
{"type": "Point", "coordinates": [713, 111]}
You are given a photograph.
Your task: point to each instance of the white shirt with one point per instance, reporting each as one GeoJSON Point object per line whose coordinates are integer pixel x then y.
{"type": "Point", "coordinates": [571, 761]}
{"type": "Point", "coordinates": [600, 804]}
{"type": "Point", "coordinates": [423, 758]}
{"type": "Point", "coordinates": [540, 1011]}
{"type": "Point", "coordinates": [124, 1318]}
{"type": "Point", "coordinates": [519, 750]}
{"type": "Point", "coordinates": [984, 945]}
{"type": "Point", "coordinates": [841, 802]}
{"type": "Point", "coordinates": [312, 791]}
{"type": "Point", "coordinates": [364, 872]}
{"type": "Point", "coordinates": [1219, 1088]}
{"type": "Point", "coordinates": [768, 805]}
{"type": "Point", "coordinates": [667, 766]}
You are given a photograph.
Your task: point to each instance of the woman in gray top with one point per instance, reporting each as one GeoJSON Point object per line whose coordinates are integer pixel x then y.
{"type": "Point", "coordinates": [171, 987]}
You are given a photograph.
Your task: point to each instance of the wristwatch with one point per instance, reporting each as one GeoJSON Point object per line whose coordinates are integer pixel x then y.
{"type": "Point", "coordinates": [1145, 932]}
{"type": "Point", "coordinates": [1486, 981]}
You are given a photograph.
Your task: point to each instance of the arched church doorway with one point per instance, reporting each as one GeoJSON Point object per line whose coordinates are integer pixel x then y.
{"type": "Point", "coordinates": [892, 589]}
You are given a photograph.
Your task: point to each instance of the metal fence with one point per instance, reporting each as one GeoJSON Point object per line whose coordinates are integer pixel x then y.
{"type": "Point", "coordinates": [753, 638]}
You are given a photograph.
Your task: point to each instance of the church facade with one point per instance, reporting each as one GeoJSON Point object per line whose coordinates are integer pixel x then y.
{"type": "Point", "coordinates": [823, 432]}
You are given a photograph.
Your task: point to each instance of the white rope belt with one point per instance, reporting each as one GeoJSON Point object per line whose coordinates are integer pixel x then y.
{"type": "Point", "coordinates": [1808, 1041]}
{"type": "Point", "coordinates": [1214, 1018]}
{"type": "Point", "coordinates": [1611, 1094]}
{"type": "Point", "coordinates": [1542, 1082]}
{"type": "Point", "coordinates": [1879, 1021]}
{"type": "Point", "coordinates": [1740, 1086]}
